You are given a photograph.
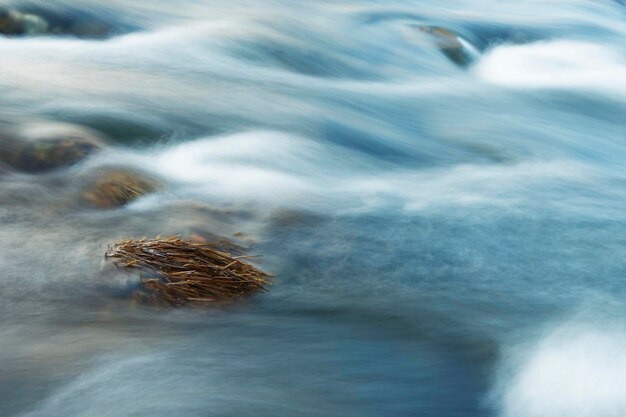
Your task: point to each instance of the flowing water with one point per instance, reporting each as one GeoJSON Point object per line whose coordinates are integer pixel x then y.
{"type": "Point", "coordinates": [447, 240]}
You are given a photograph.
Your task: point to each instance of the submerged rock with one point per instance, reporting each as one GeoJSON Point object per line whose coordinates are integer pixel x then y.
{"type": "Point", "coordinates": [118, 187]}
{"type": "Point", "coordinates": [47, 148]}
{"type": "Point", "coordinates": [450, 44]}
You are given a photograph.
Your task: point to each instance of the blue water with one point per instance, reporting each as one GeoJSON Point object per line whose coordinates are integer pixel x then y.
{"type": "Point", "coordinates": [446, 240]}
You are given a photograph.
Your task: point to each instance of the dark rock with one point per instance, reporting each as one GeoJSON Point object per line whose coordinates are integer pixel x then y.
{"type": "Point", "coordinates": [450, 44]}
{"type": "Point", "coordinates": [50, 154]}
{"type": "Point", "coordinates": [13, 22]}
{"type": "Point", "coordinates": [118, 187]}
{"type": "Point", "coordinates": [47, 148]}
{"type": "Point", "coordinates": [39, 21]}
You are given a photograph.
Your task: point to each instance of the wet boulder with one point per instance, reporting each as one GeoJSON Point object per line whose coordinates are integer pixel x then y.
{"type": "Point", "coordinates": [48, 147]}
{"type": "Point", "coordinates": [451, 45]}
{"type": "Point", "coordinates": [117, 187]}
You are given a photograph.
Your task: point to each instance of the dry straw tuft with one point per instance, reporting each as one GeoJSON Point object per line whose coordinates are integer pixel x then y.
{"type": "Point", "coordinates": [181, 272]}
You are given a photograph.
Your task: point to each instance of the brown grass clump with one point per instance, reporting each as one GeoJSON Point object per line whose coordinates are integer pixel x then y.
{"type": "Point", "coordinates": [117, 187]}
{"type": "Point", "coordinates": [181, 272]}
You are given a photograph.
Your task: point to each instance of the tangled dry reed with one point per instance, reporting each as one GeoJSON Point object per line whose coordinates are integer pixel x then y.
{"type": "Point", "coordinates": [180, 272]}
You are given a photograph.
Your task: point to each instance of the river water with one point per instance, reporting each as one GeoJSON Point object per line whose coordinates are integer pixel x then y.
{"type": "Point", "coordinates": [446, 240]}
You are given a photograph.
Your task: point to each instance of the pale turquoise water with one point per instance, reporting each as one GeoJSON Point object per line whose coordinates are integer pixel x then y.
{"type": "Point", "coordinates": [446, 241]}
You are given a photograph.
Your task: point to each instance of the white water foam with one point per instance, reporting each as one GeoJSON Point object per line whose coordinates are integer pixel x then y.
{"type": "Point", "coordinates": [559, 64]}
{"type": "Point", "coordinates": [279, 169]}
{"type": "Point", "coordinates": [575, 371]}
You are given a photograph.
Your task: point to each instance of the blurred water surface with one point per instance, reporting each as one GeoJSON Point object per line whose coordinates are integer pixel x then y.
{"type": "Point", "coordinates": [448, 240]}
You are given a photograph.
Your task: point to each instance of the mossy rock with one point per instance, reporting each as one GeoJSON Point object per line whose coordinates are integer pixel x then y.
{"type": "Point", "coordinates": [118, 187]}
